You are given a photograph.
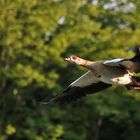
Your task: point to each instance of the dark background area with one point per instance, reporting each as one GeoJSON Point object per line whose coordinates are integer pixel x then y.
{"type": "Point", "coordinates": [35, 36]}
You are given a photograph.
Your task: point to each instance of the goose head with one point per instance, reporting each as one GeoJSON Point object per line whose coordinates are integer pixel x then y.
{"type": "Point", "coordinates": [75, 60]}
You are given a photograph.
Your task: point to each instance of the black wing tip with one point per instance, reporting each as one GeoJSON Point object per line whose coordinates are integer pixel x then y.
{"type": "Point", "coordinates": [136, 57]}
{"type": "Point", "coordinates": [43, 103]}
{"type": "Point", "coordinates": [137, 49]}
{"type": "Point", "coordinates": [47, 103]}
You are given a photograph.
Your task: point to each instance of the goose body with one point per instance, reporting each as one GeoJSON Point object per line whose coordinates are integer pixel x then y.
{"type": "Point", "coordinates": [100, 75]}
{"type": "Point", "coordinates": [111, 75]}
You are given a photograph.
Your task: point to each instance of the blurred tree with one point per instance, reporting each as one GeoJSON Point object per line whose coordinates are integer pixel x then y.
{"type": "Point", "coordinates": [35, 36]}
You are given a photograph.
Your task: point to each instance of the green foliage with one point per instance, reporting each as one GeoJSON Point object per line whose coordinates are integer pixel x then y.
{"type": "Point", "coordinates": [35, 35]}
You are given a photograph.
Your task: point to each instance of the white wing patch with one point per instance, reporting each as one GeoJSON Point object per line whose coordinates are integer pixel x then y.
{"type": "Point", "coordinates": [119, 62]}
{"type": "Point", "coordinates": [87, 79]}
{"type": "Point", "coordinates": [113, 62]}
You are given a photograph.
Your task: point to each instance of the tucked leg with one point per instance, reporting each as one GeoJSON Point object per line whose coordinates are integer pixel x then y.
{"type": "Point", "coordinates": [135, 82]}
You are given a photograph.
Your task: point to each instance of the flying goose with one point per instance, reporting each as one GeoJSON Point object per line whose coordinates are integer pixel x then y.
{"type": "Point", "coordinates": [101, 75]}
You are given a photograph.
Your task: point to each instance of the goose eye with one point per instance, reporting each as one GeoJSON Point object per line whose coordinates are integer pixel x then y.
{"type": "Point", "coordinates": [74, 57]}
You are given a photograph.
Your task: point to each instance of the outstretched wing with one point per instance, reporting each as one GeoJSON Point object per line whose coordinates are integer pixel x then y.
{"type": "Point", "coordinates": [86, 84]}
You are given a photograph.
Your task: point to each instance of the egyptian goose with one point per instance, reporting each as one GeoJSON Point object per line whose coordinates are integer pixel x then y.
{"type": "Point", "coordinates": [101, 75]}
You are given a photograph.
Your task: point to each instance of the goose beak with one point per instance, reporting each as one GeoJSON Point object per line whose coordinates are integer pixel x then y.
{"type": "Point", "coordinates": [67, 59]}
